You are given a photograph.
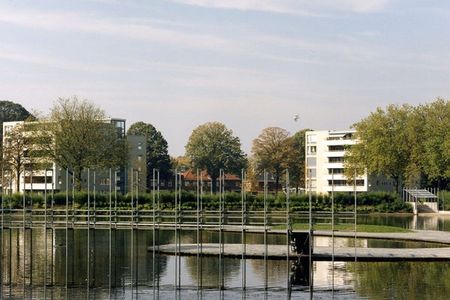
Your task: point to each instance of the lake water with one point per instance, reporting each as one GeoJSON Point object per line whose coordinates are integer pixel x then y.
{"type": "Point", "coordinates": [37, 265]}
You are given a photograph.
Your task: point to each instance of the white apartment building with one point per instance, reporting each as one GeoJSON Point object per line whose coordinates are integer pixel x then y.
{"type": "Point", "coordinates": [325, 150]}
{"type": "Point", "coordinates": [53, 177]}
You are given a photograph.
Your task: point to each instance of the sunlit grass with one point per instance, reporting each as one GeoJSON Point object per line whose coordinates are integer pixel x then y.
{"type": "Point", "coordinates": [346, 227]}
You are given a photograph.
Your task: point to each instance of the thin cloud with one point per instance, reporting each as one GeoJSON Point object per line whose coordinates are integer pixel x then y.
{"type": "Point", "coordinates": [294, 7]}
{"type": "Point", "coordinates": [93, 24]}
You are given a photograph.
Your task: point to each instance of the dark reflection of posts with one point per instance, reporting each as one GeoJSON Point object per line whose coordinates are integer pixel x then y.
{"type": "Point", "coordinates": [300, 273]}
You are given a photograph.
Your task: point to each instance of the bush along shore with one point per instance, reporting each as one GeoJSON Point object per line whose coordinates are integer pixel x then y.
{"type": "Point", "coordinates": [369, 202]}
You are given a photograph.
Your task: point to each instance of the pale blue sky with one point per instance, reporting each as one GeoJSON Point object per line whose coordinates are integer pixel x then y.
{"type": "Point", "coordinates": [248, 63]}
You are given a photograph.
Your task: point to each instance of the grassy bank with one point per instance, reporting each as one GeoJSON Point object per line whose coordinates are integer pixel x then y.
{"type": "Point", "coordinates": [367, 202]}
{"type": "Point", "coordinates": [347, 227]}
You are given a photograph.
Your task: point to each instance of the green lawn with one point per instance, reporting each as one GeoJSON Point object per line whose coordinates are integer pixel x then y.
{"type": "Point", "coordinates": [346, 227]}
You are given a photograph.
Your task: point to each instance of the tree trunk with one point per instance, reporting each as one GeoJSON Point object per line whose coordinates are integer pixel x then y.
{"type": "Point", "coordinates": [277, 181]}
{"type": "Point", "coordinates": [77, 176]}
{"type": "Point", "coordinates": [213, 183]}
{"type": "Point", "coordinates": [18, 181]}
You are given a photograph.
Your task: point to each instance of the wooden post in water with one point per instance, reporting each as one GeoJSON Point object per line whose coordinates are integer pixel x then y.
{"type": "Point", "coordinates": [45, 235]}
{"type": "Point", "coordinates": [198, 231]}
{"type": "Point", "coordinates": [24, 235]}
{"type": "Point", "coordinates": [110, 236]}
{"type": "Point", "coordinates": [288, 230]}
{"type": "Point", "coordinates": [132, 236]}
{"type": "Point", "coordinates": [88, 279]}
{"type": "Point", "coordinates": [311, 241]}
{"type": "Point", "coordinates": [266, 189]}
{"type": "Point", "coordinates": [221, 219]}
{"type": "Point", "coordinates": [332, 232]}
{"type": "Point", "coordinates": [176, 231]}
{"type": "Point", "coordinates": [153, 231]}
{"type": "Point", "coordinates": [356, 213]}
{"type": "Point", "coordinates": [1, 248]}
{"type": "Point", "coordinates": [201, 236]}
{"type": "Point", "coordinates": [243, 240]}
{"type": "Point", "coordinates": [67, 234]}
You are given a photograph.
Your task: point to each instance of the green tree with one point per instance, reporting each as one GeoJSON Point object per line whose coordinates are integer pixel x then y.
{"type": "Point", "coordinates": [15, 152]}
{"type": "Point", "coordinates": [296, 159]}
{"type": "Point", "coordinates": [213, 147]}
{"type": "Point", "coordinates": [10, 111]}
{"type": "Point", "coordinates": [181, 162]}
{"type": "Point", "coordinates": [383, 144]}
{"type": "Point", "coordinates": [271, 150]}
{"type": "Point", "coordinates": [78, 136]}
{"type": "Point", "coordinates": [435, 148]}
{"type": "Point", "coordinates": [157, 153]}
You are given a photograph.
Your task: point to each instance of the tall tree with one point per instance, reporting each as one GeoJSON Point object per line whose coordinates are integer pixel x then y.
{"type": "Point", "coordinates": [435, 152]}
{"type": "Point", "coordinates": [383, 144]}
{"type": "Point", "coordinates": [212, 147]}
{"type": "Point", "coordinates": [157, 153]}
{"type": "Point", "coordinates": [296, 159]}
{"type": "Point", "coordinates": [15, 152]}
{"type": "Point", "coordinates": [77, 136]}
{"type": "Point", "coordinates": [270, 151]}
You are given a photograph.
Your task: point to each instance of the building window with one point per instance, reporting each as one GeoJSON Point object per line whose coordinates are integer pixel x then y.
{"type": "Point", "coordinates": [340, 182]}
{"type": "Point", "coordinates": [311, 161]}
{"type": "Point", "coordinates": [104, 181]}
{"type": "Point", "coordinates": [336, 171]}
{"type": "Point", "coordinates": [38, 179]}
{"type": "Point", "coordinates": [336, 148]}
{"type": "Point", "coordinates": [339, 159]}
{"type": "Point", "coordinates": [312, 139]}
{"type": "Point", "coordinates": [312, 149]}
{"type": "Point", "coordinates": [311, 173]}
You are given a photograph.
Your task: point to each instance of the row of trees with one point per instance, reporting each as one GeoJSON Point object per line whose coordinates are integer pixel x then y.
{"type": "Point", "coordinates": [406, 143]}
{"type": "Point", "coordinates": [75, 136]}
{"type": "Point", "coordinates": [410, 144]}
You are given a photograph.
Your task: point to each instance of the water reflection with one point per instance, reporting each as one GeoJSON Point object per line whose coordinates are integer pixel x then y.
{"type": "Point", "coordinates": [35, 265]}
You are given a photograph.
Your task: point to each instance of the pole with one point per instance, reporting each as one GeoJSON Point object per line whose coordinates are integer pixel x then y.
{"type": "Point", "coordinates": [88, 231]}
{"type": "Point", "coordinates": [265, 231]}
{"type": "Point", "coordinates": [176, 232]}
{"type": "Point", "coordinates": [67, 233]}
{"type": "Point", "coordinates": [110, 236]}
{"type": "Point", "coordinates": [311, 277]}
{"type": "Point", "coordinates": [288, 230]}
{"type": "Point", "coordinates": [153, 231]}
{"type": "Point", "coordinates": [356, 213]}
{"type": "Point", "coordinates": [332, 232]}
{"type": "Point", "coordinates": [243, 241]}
